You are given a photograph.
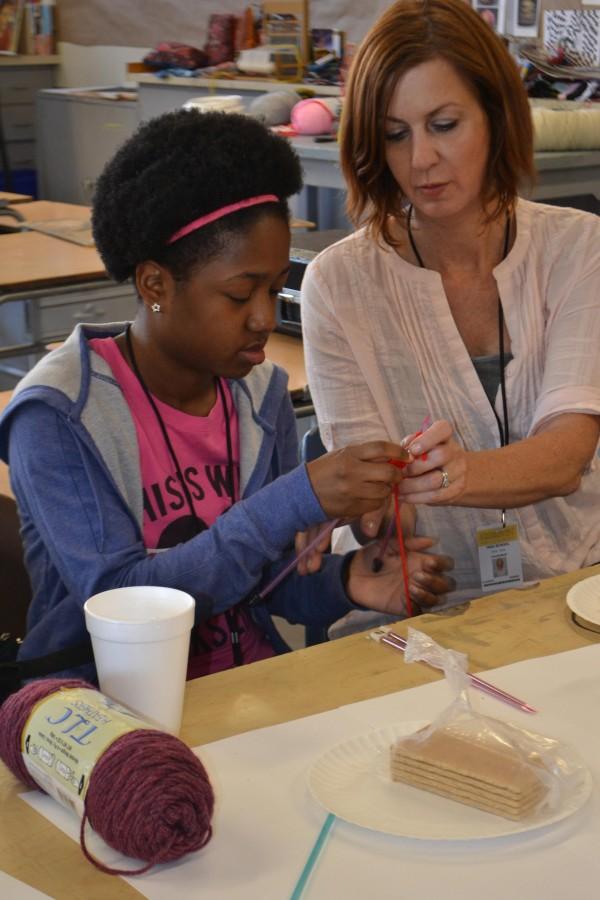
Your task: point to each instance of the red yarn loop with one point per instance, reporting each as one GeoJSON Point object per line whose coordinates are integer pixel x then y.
{"type": "Point", "coordinates": [148, 796]}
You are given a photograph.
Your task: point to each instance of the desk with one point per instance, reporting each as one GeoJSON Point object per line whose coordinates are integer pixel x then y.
{"type": "Point", "coordinates": [49, 210]}
{"type": "Point", "coordinates": [8, 197]}
{"type": "Point", "coordinates": [498, 630]}
{"type": "Point", "coordinates": [288, 352]}
{"type": "Point", "coordinates": [21, 77]}
{"type": "Point", "coordinates": [47, 285]}
{"type": "Point", "coordinates": [33, 261]}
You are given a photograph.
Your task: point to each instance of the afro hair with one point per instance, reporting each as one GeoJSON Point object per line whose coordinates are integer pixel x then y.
{"type": "Point", "coordinates": [176, 168]}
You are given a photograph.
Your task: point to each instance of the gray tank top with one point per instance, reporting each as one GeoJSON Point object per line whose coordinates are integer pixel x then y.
{"type": "Point", "coordinates": [488, 370]}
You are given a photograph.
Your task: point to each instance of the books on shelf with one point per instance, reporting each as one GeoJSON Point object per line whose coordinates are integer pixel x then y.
{"type": "Point", "coordinates": [38, 37]}
{"type": "Point", "coordinates": [11, 15]}
{"type": "Point", "coordinates": [27, 27]}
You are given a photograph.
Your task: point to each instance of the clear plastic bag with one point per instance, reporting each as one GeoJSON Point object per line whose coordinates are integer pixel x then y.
{"type": "Point", "coordinates": [462, 754]}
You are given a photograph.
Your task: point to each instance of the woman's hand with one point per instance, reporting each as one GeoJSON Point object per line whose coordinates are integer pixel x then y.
{"type": "Point", "coordinates": [384, 590]}
{"type": "Point", "coordinates": [437, 475]}
{"type": "Point", "coordinates": [356, 479]}
{"type": "Point", "coordinates": [549, 463]}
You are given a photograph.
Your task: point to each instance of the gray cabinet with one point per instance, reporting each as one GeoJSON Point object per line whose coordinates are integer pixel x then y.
{"type": "Point", "coordinates": [78, 132]}
{"type": "Point", "coordinates": [20, 80]}
{"type": "Point", "coordinates": [30, 320]}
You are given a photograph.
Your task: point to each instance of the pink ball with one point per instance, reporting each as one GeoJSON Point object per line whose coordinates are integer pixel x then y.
{"type": "Point", "coordinates": [312, 117]}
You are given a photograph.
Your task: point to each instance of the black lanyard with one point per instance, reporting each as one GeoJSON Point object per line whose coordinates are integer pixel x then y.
{"type": "Point", "coordinates": [502, 426]}
{"type": "Point", "coordinates": [230, 614]}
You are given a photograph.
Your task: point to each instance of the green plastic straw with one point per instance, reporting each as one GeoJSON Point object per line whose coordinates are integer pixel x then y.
{"type": "Point", "coordinates": [313, 857]}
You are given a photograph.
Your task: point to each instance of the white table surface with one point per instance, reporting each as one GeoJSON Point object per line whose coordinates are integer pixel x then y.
{"type": "Point", "coordinates": [266, 821]}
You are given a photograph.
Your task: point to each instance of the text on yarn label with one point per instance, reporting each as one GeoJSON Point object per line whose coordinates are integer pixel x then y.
{"type": "Point", "coordinates": [65, 736]}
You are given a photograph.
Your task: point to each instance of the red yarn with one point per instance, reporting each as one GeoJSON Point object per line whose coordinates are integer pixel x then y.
{"type": "Point", "coordinates": [148, 796]}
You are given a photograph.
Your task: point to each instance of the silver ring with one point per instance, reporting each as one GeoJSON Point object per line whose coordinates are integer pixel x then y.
{"type": "Point", "coordinates": [445, 479]}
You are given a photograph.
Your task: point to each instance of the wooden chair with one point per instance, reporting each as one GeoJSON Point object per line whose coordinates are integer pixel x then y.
{"type": "Point", "coordinates": [311, 448]}
{"type": "Point", "coordinates": [15, 593]}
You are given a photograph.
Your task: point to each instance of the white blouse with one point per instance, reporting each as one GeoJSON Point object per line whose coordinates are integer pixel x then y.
{"type": "Point", "coordinates": [383, 351]}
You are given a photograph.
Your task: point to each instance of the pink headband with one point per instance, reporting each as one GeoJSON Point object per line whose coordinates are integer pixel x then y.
{"type": "Point", "coordinates": [219, 213]}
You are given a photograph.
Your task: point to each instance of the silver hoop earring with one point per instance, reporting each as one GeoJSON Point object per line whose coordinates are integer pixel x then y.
{"type": "Point", "coordinates": [155, 307]}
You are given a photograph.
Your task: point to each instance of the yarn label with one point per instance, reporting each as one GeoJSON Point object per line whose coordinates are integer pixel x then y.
{"type": "Point", "coordinates": [65, 736]}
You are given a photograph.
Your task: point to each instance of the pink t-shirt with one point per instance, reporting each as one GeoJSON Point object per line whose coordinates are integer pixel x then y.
{"type": "Point", "coordinates": [200, 445]}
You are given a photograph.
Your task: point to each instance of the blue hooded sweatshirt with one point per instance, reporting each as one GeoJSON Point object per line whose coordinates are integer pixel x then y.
{"type": "Point", "coordinates": [71, 444]}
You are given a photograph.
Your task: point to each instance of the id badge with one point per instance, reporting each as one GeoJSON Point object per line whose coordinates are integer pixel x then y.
{"type": "Point", "coordinates": [500, 564]}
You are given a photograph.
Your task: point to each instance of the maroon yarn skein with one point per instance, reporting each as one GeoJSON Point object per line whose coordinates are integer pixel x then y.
{"type": "Point", "coordinates": [148, 797]}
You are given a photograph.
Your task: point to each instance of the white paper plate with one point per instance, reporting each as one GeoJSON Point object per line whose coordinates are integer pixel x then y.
{"type": "Point", "coordinates": [584, 599]}
{"type": "Point", "coordinates": [348, 780]}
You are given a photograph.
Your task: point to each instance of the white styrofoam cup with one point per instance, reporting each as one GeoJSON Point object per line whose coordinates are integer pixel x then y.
{"type": "Point", "coordinates": [141, 638]}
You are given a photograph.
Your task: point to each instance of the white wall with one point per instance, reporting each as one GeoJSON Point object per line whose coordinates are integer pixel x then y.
{"type": "Point", "coordinates": [87, 65]}
{"type": "Point", "coordinates": [107, 65]}
{"type": "Point", "coordinates": [95, 66]}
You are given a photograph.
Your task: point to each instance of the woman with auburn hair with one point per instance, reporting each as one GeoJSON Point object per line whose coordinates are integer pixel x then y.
{"type": "Point", "coordinates": [460, 318]}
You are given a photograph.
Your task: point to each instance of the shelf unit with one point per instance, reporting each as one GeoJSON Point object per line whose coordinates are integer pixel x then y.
{"type": "Point", "coordinates": [79, 131]}
{"type": "Point", "coordinates": [21, 77]}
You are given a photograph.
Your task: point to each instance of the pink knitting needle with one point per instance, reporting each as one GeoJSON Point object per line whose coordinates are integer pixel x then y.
{"type": "Point", "coordinates": [397, 641]}
{"type": "Point", "coordinates": [327, 528]}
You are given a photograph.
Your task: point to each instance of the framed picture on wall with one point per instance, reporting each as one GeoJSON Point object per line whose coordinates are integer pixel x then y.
{"type": "Point", "coordinates": [11, 16]}
{"type": "Point", "coordinates": [493, 12]}
{"type": "Point", "coordinates": [524, 19]}
{"type": "Point", "coordinates": [526, 13]}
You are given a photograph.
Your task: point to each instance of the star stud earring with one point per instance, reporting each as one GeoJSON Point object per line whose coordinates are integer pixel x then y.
{"type": "Point", "coordinates": [155, 307]}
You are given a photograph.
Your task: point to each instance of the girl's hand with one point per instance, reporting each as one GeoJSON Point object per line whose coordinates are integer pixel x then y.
{"type": "Point", "coordinates": [439, 479]}
{"type": "Point", "coordinates": [356, 479]}
{"type": "Point", "coordinates": [372, 525]}
{"type": "Point", "coordinates": [312, 562]}
{"type": "Point", "coordinates": [384, 590]}
{"type": "Point", "coordinates": [427, 578]}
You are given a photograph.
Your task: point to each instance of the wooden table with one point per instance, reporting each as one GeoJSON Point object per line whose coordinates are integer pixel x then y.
{"type": "Point", "coordinates": [288, 352]}
{"type": "Point", "coordinates": [47, 285]}
{"type": "Point", "coordinates": [50, 210]}
{"type": "Point", "coordinates": [497, 630]}
{"type": "Point", "coordinates": [9, 197]}
{"type": "Point", "coordinates": [33, 261]}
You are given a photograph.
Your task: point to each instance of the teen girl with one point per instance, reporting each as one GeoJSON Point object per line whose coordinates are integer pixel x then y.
{"type": "Point", "coordinates": [163, 451]}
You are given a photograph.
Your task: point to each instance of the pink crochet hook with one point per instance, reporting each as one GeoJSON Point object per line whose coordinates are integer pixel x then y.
{"type": "Point", "coordinates": [326, 529]}
{"type": "Point", "coordinates": [397, 641]}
